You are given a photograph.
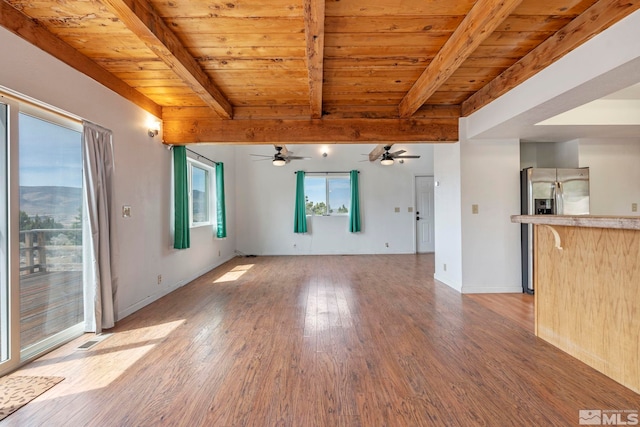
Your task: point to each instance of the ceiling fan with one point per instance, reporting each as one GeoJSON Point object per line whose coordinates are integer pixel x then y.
{"type": "Point", "coordinates": [282, 156]}
{"type": "Point", "coordinates": [386, 158]}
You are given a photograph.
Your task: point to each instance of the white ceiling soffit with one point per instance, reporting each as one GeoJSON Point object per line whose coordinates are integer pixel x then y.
{"type": "Point", "coordinates": [618, 109]}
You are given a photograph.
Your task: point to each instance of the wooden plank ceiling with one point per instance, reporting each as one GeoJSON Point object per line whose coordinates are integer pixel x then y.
{"type": "Point", "coordinates": [287, 71]}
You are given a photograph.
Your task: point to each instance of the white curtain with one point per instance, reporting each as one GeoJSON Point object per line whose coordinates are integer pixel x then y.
{"type": "Point", "coordinates": [101, 282]}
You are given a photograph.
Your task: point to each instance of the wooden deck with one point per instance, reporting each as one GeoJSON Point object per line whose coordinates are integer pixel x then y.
{"type": "Point", "coordinates": [50, 302]}
{"type": "Point", "coordinates": [320, 341]}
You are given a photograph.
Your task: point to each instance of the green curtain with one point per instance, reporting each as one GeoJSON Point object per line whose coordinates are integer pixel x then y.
{"type": "Point", "coordinates": [300, 217]}
{"type": "Point", "coordinates": [181, 238]}
{"type": "Point", "coordinates": [354, 212]}
{"type": "Point", "coordinates": [220, 207]}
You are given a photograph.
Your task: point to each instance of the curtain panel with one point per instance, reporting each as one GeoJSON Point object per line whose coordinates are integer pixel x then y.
{"type": "Point", "coordinates": [181, 237]}
{"type": "Point", "coordinates": [355, 225]}
{"type": "Point", "coordinates": [300, 214]}
{"type": "Point", "coordinates": [221, 216]}
{"type": "Point", "coordinates": [101, 273]}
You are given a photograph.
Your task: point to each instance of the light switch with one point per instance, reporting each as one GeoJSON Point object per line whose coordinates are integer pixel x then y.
{"type": "Point", "coordinates": [397, 210]}
{"type": "Point", "coordinates": [634, 207]}
{"type": "Point", "coordinates": [474, 209]}
{"type": "Point", "coordinates": [410, 209]}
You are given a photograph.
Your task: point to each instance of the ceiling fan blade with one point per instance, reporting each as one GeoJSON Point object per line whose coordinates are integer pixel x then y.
{"type": "Point", "coordinates": [298, 158]}
{"type": "Point", "coordinates": [397, 153]}
{"type": "Point", "coordinates": [406, 157]}
{"type": "Point", "coordinates": [261, 155]}
{"type": "Point", "coordinates": [283, 149]}
{"type": "Point", "coordinates": [376, 152]}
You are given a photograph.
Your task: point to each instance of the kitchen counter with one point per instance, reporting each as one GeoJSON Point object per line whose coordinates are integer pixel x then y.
{"type": "Point", "coordinates": [587, 290]}
{"type": "Point", "coordinates": [619, 222]}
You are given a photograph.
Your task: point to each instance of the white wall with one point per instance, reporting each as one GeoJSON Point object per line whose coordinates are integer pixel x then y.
{"type": "Point", "coordinates": [481, 251]}
{"type": "Point", "coordinates": [490, 241]}
{"type": "Point", "coordinates": [614, 174]}
{"type": "Point", "coordinates": [448, 221]}
{"type": "Point", "coordinates": [142, 177]}
{"type": "Point", "coordinates": [266, 196]}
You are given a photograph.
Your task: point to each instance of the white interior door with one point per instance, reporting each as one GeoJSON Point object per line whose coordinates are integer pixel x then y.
{"type": "Point", "coordinates": [425, 222]}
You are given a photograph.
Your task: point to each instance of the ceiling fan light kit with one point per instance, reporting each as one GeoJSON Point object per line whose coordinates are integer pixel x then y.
{"type": "Point", "coordinates": [279, 162]}
{"type": "Point", "coordinates": [386, 160]}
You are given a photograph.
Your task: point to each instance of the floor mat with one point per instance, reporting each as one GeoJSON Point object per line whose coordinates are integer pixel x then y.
{"type": "Point", "coordinates": [15, 392]}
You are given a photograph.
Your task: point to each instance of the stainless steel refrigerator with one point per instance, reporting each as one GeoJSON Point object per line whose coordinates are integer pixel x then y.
{"type": "Point", "coordinates": [549, 191]}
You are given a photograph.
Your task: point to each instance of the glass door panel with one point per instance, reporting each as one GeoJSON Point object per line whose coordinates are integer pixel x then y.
{"type": "Point", "coordinates": [51, 286]}
{"type": "Point", "coordinates": [4, 233]}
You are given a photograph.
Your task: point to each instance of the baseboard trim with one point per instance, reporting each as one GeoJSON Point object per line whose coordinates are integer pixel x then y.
{"type": "Point", "coordinates": [444, 281]}
{"type": "Point", "coordinates": [479, 289]}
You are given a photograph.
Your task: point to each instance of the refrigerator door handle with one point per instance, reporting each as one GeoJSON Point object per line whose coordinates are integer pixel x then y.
{"type": "Point", "coordinates": [559, 199]}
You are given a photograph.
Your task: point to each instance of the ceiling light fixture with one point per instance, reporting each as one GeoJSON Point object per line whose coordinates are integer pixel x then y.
{"type": "Point", "coordinates": [278, 161]}
{"type": "Point", "coordinates": [387, 160]}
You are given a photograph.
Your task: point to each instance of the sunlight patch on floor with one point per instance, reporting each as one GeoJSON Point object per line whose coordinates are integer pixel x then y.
{"type": "Point", "coordinates": [234, 274]}
{"type": "Point", "coordinates": [105, 362]}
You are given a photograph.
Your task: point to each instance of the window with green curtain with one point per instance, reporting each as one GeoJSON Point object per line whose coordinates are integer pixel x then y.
{"type": "Point", "coordinates": [220, 207]}
{"type": "Point", "coordinates": [181, 239]}
{"type": "Point", "coordinates": [300, 215]}
{"type": "Point", "coordinates": [354, 212]}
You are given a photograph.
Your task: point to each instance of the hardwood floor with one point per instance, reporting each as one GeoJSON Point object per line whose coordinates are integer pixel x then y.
{"type": "Point", "coordinates": [319, 341]}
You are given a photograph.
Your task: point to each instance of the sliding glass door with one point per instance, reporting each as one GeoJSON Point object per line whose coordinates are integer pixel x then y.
{"type": "Point", "coordinates": [50, 174]}
{"type": "Point", "coordinates": [4, 239]}
{"type": "Point", "coordinates": [41, 219]}
{"type": "Point", "coordinates": [9, 298]}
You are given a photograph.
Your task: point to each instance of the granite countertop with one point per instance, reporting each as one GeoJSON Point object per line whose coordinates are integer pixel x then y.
{"type": "Point", "coordinates": [594, 221]}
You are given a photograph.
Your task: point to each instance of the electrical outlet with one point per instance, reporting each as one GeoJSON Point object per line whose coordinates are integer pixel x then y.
{"type": "Point", "coordinates": [474, 209]}
{"type": "Point", "coordinates": [386, 245]}
{"type": "Point", "coordinates": [126, 211]}
{"type": "Point", "coordinates": [218, 253]}
{"type": "Point", "coordinates": [159, 278]}
{"type": "Point", "coordinates": [444, 267]}
{"type": "Point", "coordinates": [634, 207]}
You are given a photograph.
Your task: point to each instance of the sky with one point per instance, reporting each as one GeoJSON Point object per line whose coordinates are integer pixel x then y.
{"type": "Point", "coordinates": [50, 155]}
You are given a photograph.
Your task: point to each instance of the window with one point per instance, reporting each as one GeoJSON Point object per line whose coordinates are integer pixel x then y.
{"type": "Point", "coordinates": [327, 195]}
{"type": "Point", "coordinates": [200, 193]}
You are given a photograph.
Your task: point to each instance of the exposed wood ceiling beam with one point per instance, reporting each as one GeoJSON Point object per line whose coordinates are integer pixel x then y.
{"type": "Point", "coordinates": [31, 31]}
{"type": "Point", "coordinates": [480, 22]}
{"type": "Point", "coordinates": [348, 131]}
{"type": "Point", "coordinates": [314, 31]}
{"type": "Point", "coordinates": [594, 20]}
{"type": "Point", "coordinates": [140, 17]}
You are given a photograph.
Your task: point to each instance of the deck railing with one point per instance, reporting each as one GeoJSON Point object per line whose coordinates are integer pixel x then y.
{"type": "Point", "coordinates": [46, 250]}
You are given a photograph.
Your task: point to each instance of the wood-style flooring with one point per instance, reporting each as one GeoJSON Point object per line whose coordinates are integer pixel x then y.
{"type": "Point", "coordinates": [321, 341]}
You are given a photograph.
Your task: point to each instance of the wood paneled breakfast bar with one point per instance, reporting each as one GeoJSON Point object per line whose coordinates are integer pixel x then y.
{"type": "Point", "coordinates": [587, 290]}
